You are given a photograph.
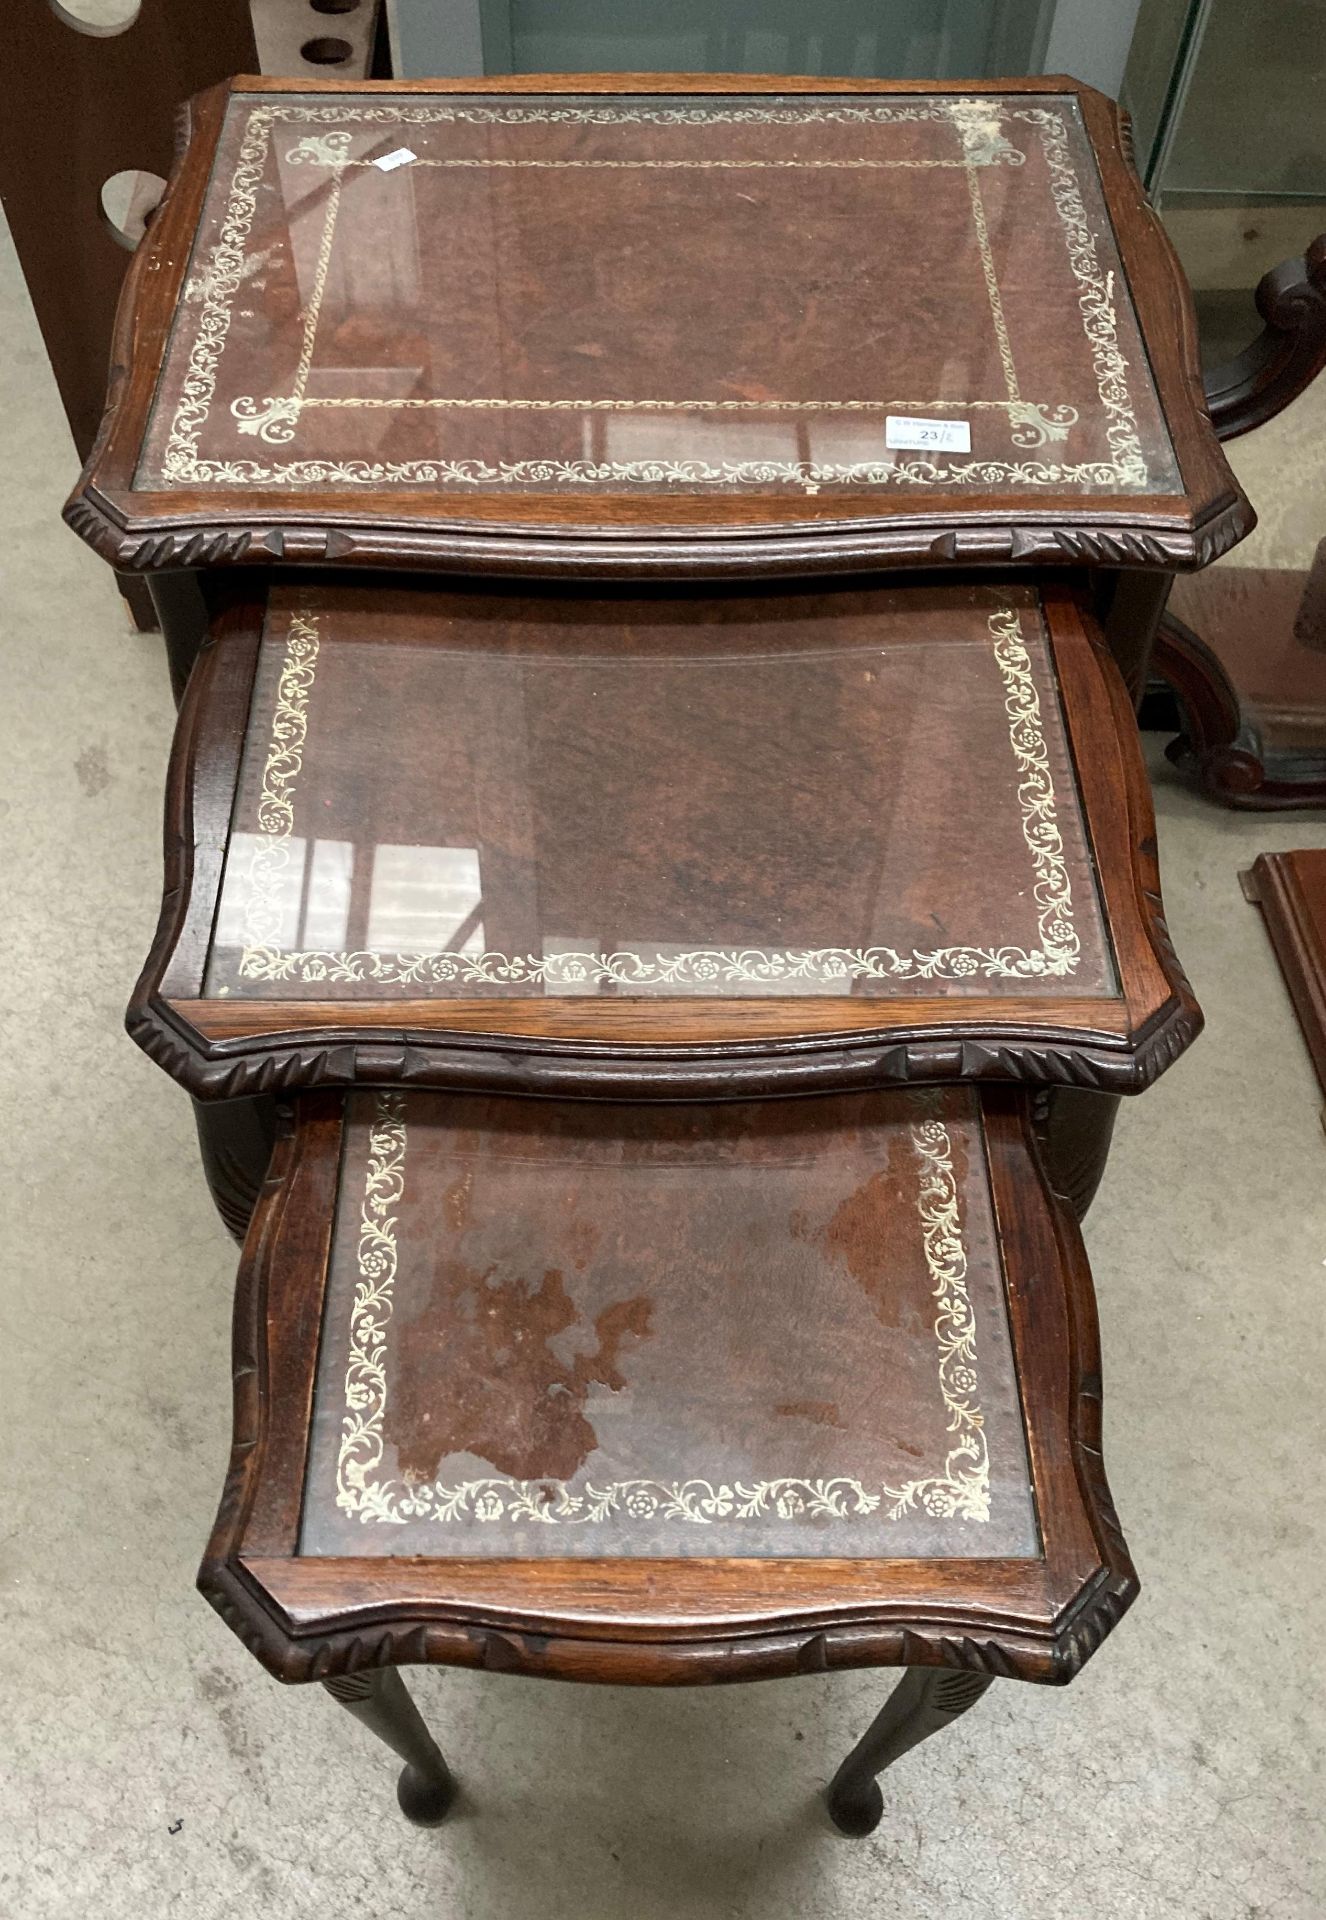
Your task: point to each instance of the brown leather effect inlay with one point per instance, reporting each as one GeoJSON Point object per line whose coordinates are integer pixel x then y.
{"type": "Point", "coordinates": [590, 1330]}
{"type": "Point", "coordinates": [726, 295]}
{"type": "Point", "coordinates": [836, 793]}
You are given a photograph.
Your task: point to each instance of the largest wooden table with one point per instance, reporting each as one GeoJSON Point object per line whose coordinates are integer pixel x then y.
{"type": "Point", "coordinates": [658, 327]}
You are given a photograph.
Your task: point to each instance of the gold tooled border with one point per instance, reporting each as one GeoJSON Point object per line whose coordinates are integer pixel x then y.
{"type": "Point", "coordinates": [1056, 956]}
{"type": "Point", "coordinates": [274, 418]}
{"type": "Point", "coordinates": [959, 1490]}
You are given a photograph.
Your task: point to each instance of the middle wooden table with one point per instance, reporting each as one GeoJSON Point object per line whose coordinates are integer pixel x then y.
{"type": "Point", "coordinates": [701, 846]}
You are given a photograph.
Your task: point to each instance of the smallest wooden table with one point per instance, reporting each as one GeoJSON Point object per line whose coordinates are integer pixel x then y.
{"type": "Point", "coordinates": [669, 1394]}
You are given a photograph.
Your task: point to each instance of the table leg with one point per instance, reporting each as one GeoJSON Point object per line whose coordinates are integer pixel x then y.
{"type": "Point", "coordinates": [1130, 604]}
{"type": "Point", "coordinates": [379, 1700]}
{"type": "Point", "coordinates": [924, 1701]}
{"type": "Point", "coordinates": [1074, 1127]}
{"type": "Point", "coordinates": [182, 616]}
{"type": "Point", "coordinates": [235, 1140]}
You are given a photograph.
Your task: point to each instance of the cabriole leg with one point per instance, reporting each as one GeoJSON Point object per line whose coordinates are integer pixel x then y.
{"type": "Point", "coordinates": [925, 1699]}
{"type": "Point", "coordinates": [235, 1139]}
{"type": "Point", "coordinates": [1074, 1128]}
{"type": "Point", "coordinates": [380, 1700]}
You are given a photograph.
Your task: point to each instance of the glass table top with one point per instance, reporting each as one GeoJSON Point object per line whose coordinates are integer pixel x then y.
{"type": "Point", "coordinates": [576, 1330]}
{"type": "Point", "coordinates": [744, 295]}
{"type": "Point", "coordinates": [469, 797]}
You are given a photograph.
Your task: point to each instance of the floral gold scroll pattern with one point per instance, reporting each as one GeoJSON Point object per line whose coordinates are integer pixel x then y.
{"type": "Point", "coordinates": [1095, 297]}
{"type": "Point", "coordinates": [962, 1489]}
{"type": "Point", "coordinates": [1060, 948]}
{"type": "Point", "coordinates": [959, 1490]}
{"type": "Point", "coordinates": [1054, 955]}
{"type": "Point", "coordinates": [274, 418]}
{"type": "Point", "coordinates": [1031, 425]}
{"type": "Point", "coordinates": [269, 860]}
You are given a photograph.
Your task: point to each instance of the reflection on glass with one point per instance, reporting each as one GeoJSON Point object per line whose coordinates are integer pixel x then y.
{"type": "Point", "coordinates": [847, 793]}
{"type": "Point", "coordinates": [260, 903]}
{"type": "Point", "coordinates": [723, 294]}
{"type": "Point", "coordinates": [327, 911]}
{"type": "Point", "coordinates": [425, 900]}
{"type": "Point", "coordinates": [1237, 163]}
{"type": "Point", "coordinates": [907, 40]}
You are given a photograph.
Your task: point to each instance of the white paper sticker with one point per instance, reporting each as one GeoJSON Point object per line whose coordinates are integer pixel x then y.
{"type": "Point", "coordinates": [401, 157]}
{"type": "Point", "coordinates": [901, 430]}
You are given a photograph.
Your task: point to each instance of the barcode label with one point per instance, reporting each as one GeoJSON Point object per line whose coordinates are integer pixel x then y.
{"type": "Point", "coordinates": [401, 157]}
{"type": "Point", "coordinates": [901, 431]}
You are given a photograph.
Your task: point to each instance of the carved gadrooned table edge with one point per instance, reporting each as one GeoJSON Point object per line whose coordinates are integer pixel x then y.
{"type": "Point", "coordinates": [662, 554]}
{"type": "Point", "coordinates": [460, 1063]}
{"type": "Point", "coordinates": [995, 1647]}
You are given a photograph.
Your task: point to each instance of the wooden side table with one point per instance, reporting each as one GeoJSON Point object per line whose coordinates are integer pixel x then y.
{"type": "Point", "coordinates": [688, 846]}
{"type": "Point", "coordinates": [874, 325]}
{"type": "Point", "coordinates": [666, 1395]}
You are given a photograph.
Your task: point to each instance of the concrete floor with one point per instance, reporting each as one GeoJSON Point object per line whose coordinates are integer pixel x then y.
{"type": "Point", "coordinates": [152, 1769]}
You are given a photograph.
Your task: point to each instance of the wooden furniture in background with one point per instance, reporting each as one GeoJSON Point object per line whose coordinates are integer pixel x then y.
{"type": "Point", "coordinates": [89, 104]}
{"type": "Point", "coordinates": [1290, 889]}
{"type": "Point", "coordinates": [1286, 356]}
{"type": "Point", "coordinates": [82, 105]}
{"type": "Point", "coordinates": [1243, 649]}
{"type": "Point", "coordinates": [662, 1396]}
{"type": "Point", "coordinates": [321, 39]}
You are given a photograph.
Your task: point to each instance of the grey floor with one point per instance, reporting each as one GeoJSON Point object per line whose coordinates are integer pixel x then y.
{"type": "Point", "coordinates": [150, 1767]}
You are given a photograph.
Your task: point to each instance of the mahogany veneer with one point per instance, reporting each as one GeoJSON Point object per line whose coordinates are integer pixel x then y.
{"type": "Point", "coordinates": [657, 325]}
{"type": "Point", "coordinates": [715, 847]}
